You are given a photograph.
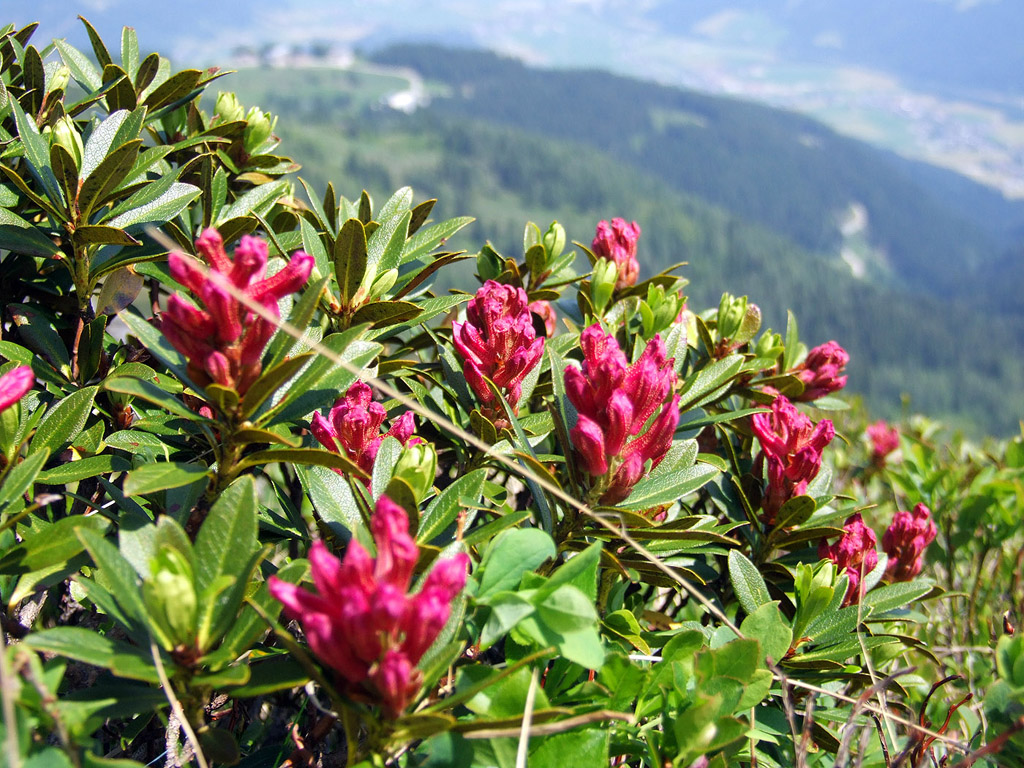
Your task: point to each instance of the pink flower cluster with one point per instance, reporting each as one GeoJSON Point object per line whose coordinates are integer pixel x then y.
{"type": "Point", "coordinates": [617, 242]}
{"type": "Point", "coordinates": [884, 440]}
{"type": "Point", "coordinates": [905, 542]}
{"type": "Point", "coordinates": [614, 401]}
{"type": "Point", "coordinates": [821, 371]}
{"type": "Point", "coordinates": [792, 445]}
{"type": "Point", "coordinates": [498, 342]}
{"type": "Point", "coordinates": [14, 385]}
{"type": "Point", "coordinates": [855, 553]}
{"type": "Point", "coordinates": [224, 341]}
{"type": "Point", "coordinates": [362, 622]}
{"type": "Point", "coordinates": [353, 427]}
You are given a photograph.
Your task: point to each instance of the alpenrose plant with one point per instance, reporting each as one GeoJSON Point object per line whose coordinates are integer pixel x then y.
{"type": "Point", "coordinates": [299, 505]}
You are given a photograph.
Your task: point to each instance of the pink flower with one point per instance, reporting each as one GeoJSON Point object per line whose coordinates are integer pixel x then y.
{"type": "Point", "coordinates": [905, 542]}
{"type": "Point", "coordinates": [884, 439]}
{"type": "Point", "coordinates": [854, 552]}
{"type": "Point", "coordinates": [820, 372]}
{"type": "Point", "coordinates": [14, 385]}
{"type": "Point", "coordinates": [224, 340]}
{"type": "Point", "coordinates": [614, 400]}
{"type": "Point", "coordinates": [792, 445]}
{"type": "Point", "coordinates": [353, 427]}
{"type": "Point", "coordinates": [362, 622]}
{"type": "Point", "coordinates": [617, 242]}
{"type": "Point", "coordinates": [546, 313]}
{"type": "Point", "coordinates": [498, 342]}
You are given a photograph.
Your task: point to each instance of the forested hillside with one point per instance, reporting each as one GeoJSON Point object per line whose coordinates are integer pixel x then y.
{"type": "Point", "coordinates": [775, 168]}
{"type": "Point", "coordinates": [505, 176]}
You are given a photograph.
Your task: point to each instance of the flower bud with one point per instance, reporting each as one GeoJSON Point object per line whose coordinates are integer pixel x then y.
{"type": "Point", "coordinates": [259, 129]}
{"type": "Point", "coordinates": [228, 108]}
{"type": "Point", "coordinates": [554, 241]}
{"type": "Point", "coordinates": [66, 134]}
{"type": "Point", "coordinates": [384, 282]}
{"type": "Point", "coordinates": [170, 596]}
{"type": "Point", "coordinates": [602, 283]}
{"type": "Point", "coordinates": [59, 80]}
{"type": "Point", "coordinates": [418, 466]}
{"type": "Point", "coordinates": [770, 345]}
{"type": "Point", "coordinates": [731, 311]}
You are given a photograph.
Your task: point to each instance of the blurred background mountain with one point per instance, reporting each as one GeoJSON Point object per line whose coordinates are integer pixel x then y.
{"type": "Point", "coordinates": [862, 164]}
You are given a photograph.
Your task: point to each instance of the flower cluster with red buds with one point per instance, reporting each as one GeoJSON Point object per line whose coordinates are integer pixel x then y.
{"type": "Point", "coordinates": [362, 622]}
{"type": "Point", "coordinates": [855, 553]}
{"type": "Point", "coordinates": [497, 342]}
{"type": "Point", "coordinates": [905, 542]}
{"type": "Point", "coordinates": [821, 371]}
{"type": "Point", "coordinates": [884, 440]}
{"type": "Point", "coordinates": [614, 400]}
{"type": "Point", "coordinates": [792, 445]}
{"type": "Point", "coordinates": [14, 385]}
{"type": "Point", "coordinates": [617, 242]}
{"type": "Point", "coordinates": [353, 427]}
{"type": "Point", "coordinates": [224, 340]}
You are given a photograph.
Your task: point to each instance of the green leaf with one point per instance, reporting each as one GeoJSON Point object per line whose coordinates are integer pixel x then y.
{"type": "Point", "coordinates": [150, 478]}
{"type": "Point", "coordinates": [259, 199]}
{"type": "Point", "coordinates": [174, 89]}
{"type": "Point", "coordinates": [151, 393]}
{"type": "Point", "coordinates": [105, 178]}
{"type": "Point", "coordinates": [899, 595]}
{"type": "Point", "coordinates": [280, 673]}
{"type": "Point", "coordinates": [426, 240]}
{"type": "Point", "coordinates": [509, 556]}
{"type": "Point", "coordinates": [464, 493]}
{"type": "Point", "coordinates": [224, 547]}
{"type": "Point", "coordinates": [90, 647]}
{"type": "Point", "coordinates": [143, 208]}
{"type": "Point", "coordinates": [91, 466]}
{"type": "Point", "coordinates": [37, 332]}
{"type": "Point", "coordinates": [507, 609]}
{"type": "Point", "coordinates": [37, 153]}
{"type": "Point", "coordinates": [669, 487]}
{"type": "Point", "coordinates": [270, 381]}
{"type": "Point", "coordinates": [385, 246]}
{"type": "Point", "coordinates": [64, 421]}
{"type": "Point", "coordinates": [117, 576]}
{"type": "Point", "coordinates": [350, 258]}
{"type": "Point", "coordinates": [322, 381]}
{"type": "Point", "coordinates": [747, 583]}
{"type": "Point", "coordinates": [19, 236]}
{"type": "Point", "coordinates": [567, 609]}
{"type": "Point", "coordinates": [82, 69]}
{"type": "Point", "coordinates": [381, 314]}
{"type": "Point", "coordinates": [315, 456]}
{"type": "Point", "coordinates": [707, 380]}
{"type": "Point", "coordinates": [53, 545]}
{"type": "Point", "coordinates": [22, 476]}
{"type": "Point", "coordinates": [155, 342]}
{"type": "Point", "coordinates": [768, 627]}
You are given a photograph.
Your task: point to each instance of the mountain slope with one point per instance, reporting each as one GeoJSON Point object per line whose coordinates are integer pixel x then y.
{"type": "Point", "coordinates": [947, 358]}
{"type": "Point", "coordinates": [778, 169]}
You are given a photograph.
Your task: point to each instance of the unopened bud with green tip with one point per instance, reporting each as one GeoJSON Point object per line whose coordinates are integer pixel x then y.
{"type": "Point", "coordinates": [418, 466]}
{"type": "Point", "coordinates": [170, 597]}
{"type": "Point", "coordinates": [770, 345]}
{"type": "Point", "coordinates": [602, 283]}
{"type": "Point", "coordinates": [66, 135]}
{"type": "Point", "coordinates": [731, 311]}
{"type": "Point", "coordinates": [58, 80]}
{"type": "Point", "coordinates": [660, 309]}
{"type": "Point", "coordinates": [384, 283]}
{"type": "Point", "coordinates": [554, 240]}
{"type": "Point", "coordinates": [260, 127]}
{"type": "Point", "coordinates": [228, 108]}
